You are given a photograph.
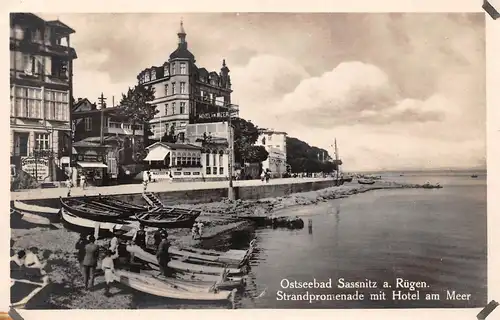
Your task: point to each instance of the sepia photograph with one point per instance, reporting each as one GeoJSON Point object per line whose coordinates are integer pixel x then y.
{"type": "Point", "coordinates": [248, 160]}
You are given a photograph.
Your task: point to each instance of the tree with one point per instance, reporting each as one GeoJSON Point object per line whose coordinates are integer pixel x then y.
{"type": "Point", "coordinates": [245, 135]}
{"type": "Point", "coordinates": [170, 136]}
{"type": "Point", "coordinates": [136, 106]}
{"type": "Point", "coordinates": [303, 158]}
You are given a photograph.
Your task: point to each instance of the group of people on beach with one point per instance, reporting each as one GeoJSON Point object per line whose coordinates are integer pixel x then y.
{"type": "Point", "coordinates": [28, 263]}
{"type": "Point", "coordinates": [197, 230]}
{"type": "Point", "coordinates": [117, 255]}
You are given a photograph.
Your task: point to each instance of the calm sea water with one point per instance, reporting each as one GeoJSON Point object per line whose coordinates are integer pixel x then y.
{"type": "Point", "coordinates": [437, 236]}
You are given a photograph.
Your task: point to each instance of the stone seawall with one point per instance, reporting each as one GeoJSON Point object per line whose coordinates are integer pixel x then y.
{"type": "Point", "coordinates": [210, 195]}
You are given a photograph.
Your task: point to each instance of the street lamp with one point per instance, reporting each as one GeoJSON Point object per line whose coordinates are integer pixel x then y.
{"type": "Point", "coordinates": [230, 190]}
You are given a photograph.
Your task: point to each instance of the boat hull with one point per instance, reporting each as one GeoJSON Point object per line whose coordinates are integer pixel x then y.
{"type": "Point", "coordinates": [81, 225]}
{"type": "Point", "coordinates": [23, 291]}
{"type": "Point", "coordinates": [94, 215]}
{"type": "Point", "coordinates": [168, 289]}
{"type": "Point", "coordinates": [183, 266]}
{"type": "Point", "coordinates": [171, 223]}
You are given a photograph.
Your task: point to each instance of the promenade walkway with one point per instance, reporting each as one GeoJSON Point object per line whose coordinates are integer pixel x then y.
{"type": "Point", "coordinates": [161, 186]}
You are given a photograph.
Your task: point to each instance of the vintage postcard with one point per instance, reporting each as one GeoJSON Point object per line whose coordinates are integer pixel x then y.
{"type": "Point", "coordinates": [248, 160]}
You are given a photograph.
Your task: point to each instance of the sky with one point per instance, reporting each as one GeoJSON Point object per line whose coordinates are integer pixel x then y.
{"type": "Point", "coordinates": [398, 91]}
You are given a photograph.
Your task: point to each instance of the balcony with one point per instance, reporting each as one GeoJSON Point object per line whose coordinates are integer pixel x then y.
{"type": "Point", "coordinates": [26, 45]}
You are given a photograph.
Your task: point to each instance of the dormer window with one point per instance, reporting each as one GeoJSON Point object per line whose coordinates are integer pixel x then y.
{"type": "Point", "coordinates": [173, 68]}
{"type": "Point", "coordinates": [147, 77]}
{"type": "Point", "coordinates": [166, 70]}
{"type": "Point", "coordinates": [153, 74]}
{"type": "Point", "coordinates": [183, 68]}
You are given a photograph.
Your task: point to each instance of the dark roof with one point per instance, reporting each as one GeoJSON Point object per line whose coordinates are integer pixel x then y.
{"type": "Point", "coordinates": [61, 27]}
{"type": "Point", "coordinates": [25, 18]}
{"type": "Point", "coordinates": [182, 52]}
{"type": "Point", "coordinates": [203, 72]}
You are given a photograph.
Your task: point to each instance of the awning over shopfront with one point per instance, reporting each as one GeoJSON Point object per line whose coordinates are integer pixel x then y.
{"type": "Point", "coordinates": [157, 154]}
{"type": "Point", "coordinates": [91, 164]}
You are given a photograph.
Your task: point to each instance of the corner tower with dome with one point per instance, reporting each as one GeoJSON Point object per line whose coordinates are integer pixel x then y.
{"type": "Point", "coordinates": [185, 93]}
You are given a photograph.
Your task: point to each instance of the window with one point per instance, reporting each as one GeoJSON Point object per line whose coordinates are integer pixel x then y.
{"type": "Point", "coordinates": [198, 159]}
{"type": "Point", "coordinates": [28, 102]}
{"type": "Point", "coordinates": [42, 141]}
{"type": "Point", "coordinates": [173, 87]}
{"type": "Point", "coordinates": [209, 170]}
{"type": "Point", "coordinates": [31, 65]}
{"type": "Point", "coordinates": [173, 108]}
{"type": "Point", "coordinates": [153, 74]}
{"type": "Point", "coordinates": [207, 160]}
{"type": "Point", "coordinates": [182, 108]}
{"type": "Point", "coordinates": [215, 170]}
{"type": "Point", "coordinates": [166, 89]}
{"type": "Point", "coordinates": [88, 124]}
{"type": "Point", "coordinates": [221, 170]}
{"type": "Point", "coordinates": [57, 105]}
{"type": "Point", "coordinates": [166, 109]}
{"type": "Point", "coordinates": [183, 68]}
{"type": "Point", "coordinates": [147, 77]}
{"type": "Point", "coordinates": [18, 32]}
{"type": "Point", "coordinates": [184, 158]}
{"type": "Point", "coordinates": [183, 88]}
{"type": "Point", "coordinates": [174, 160]}
{"type": "Point", "coordinates": [36, 36]}
{"type": "Point", "coordinates": [173, 68]}
{"type": "Point", "coordinates": [166, 71]}
{"type": "Point", "coordinates": [187, 173]}
{"type": "Point", "coordinates": [214, 156]}
{"type": "Point", "coordinates": [196, 173]}
{"type": "Point", "coordinates": [221, 159]}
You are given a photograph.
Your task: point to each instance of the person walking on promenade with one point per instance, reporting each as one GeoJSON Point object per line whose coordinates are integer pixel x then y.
{"type": "Point", "coordinates": [90, 262]}
{"type": "Point", "coordinates": [163, 256]}
{"type": "Point", "coordinates": [69, 185]}
{"type": "Point", "coordinates": [145, 180]}
{"type": "Point", "coordinates": [83, 182]}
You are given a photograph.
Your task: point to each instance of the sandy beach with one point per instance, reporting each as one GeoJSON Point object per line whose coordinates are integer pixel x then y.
{"type": "Point", "coordinates": [57, 245]}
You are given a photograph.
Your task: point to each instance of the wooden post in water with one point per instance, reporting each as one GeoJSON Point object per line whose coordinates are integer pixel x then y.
{"type": "Point", "coordinates": [310, 226]}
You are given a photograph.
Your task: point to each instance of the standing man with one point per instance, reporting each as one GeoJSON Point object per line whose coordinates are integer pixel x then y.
{"type": "Point", "coordinates": [90, 262]}
{"type": "Point", "coordinates": [80, 246]}
{"type": "Point", "coordinates": [163, 256]}
{"type": "Point", "coordinates": [139, 237]}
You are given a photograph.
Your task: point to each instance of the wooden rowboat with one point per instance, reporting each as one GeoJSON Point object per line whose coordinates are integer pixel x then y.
{"type": "Point", "coordinates": [167, 289]}
{"type": "Point", "coordinates": [365, 181]}
{"type": "Point", "coordinates": [81, 225]}
{"type": "Point", "coordinates": [163, 219]}
{"type": "Point", "coordinates": [126, 206]}
{"type": "Point", "coordinates": [183, 266]}
{"type": "Point", "coordinates": [91, 211]}
{"type": "Point", "coordinates": [233, 258]}
{"type": "Point", "coordinates": [23, 291]}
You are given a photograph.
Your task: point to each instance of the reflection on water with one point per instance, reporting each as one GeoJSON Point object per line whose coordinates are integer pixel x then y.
{"type": "Point", "coordinates": [436, 236]}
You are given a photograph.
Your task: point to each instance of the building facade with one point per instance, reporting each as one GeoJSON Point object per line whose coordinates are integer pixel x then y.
{"type": "Point", "coordinates": [101, 126]}
{"type": "Point", "coordinates": [275, 144]}
{"type": "Point", "coordinates": [185, 93]}
{"type": "Point", "coordinates": [40, 93]}
{"type": "Point", "coordinates": [203, 153]}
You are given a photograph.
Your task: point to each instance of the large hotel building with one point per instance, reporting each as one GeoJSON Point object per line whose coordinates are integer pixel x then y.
{"type": "Point", "coordinates": [185, 93]}
{"type": "Point", "coordinates": [40, 90]}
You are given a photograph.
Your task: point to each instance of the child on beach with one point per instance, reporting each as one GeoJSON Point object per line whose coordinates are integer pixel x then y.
{"type": "Point", "coordinates": [108, 267]}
